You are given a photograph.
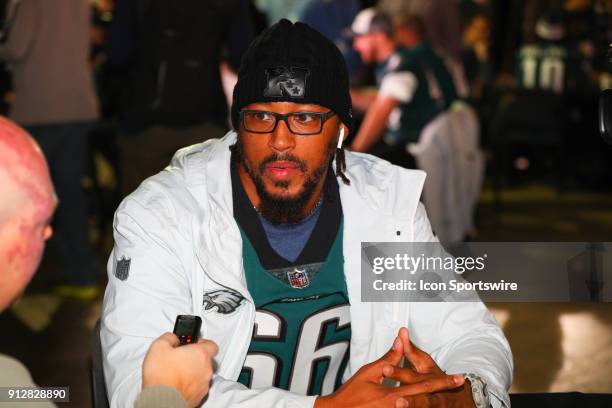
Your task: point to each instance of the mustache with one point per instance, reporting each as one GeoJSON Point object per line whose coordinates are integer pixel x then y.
{"type": "Point", "coordinates": [283, 157]}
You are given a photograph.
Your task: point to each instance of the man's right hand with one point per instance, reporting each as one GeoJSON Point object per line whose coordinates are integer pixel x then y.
{"type": "Point", "coordinates": [365, 388]}
{"type": "Point", "coordinates": [187, 369]}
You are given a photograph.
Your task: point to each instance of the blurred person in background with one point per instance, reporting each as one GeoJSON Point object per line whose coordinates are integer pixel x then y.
{"type": "Point", "coordinates": [404, 36]}
{"type": "Point", "coordinates": [442, 22]}
{"type": "Point", "coordinates": [440, 17]}
{"type": "Point", "coordinates": [172, 376]}
{"type": "Point", "coordinates": [168, 57]}
{"type": "Point", "coordinates": [414, 86]}
{"type": "Point", "coordinates": [475, 55]}
{"type": "Point", "coordinates": [47, 51]}
{"type": "Point", "coordinates": [333, 18]}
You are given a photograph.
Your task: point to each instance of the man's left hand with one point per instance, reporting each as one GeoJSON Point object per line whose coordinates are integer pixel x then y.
{"type": "Point", "coordinates": [423, 368]}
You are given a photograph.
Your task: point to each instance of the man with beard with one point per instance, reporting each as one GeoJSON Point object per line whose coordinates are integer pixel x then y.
{"type": "Point", "coordinates": [259, 234]}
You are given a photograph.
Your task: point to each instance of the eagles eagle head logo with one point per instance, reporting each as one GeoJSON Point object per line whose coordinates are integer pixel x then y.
{"type": "Point", "coordinates": [225, 300]}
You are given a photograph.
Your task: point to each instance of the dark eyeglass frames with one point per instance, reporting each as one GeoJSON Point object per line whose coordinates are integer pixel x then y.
{"type": "Point", "coordinates": [300, 123]}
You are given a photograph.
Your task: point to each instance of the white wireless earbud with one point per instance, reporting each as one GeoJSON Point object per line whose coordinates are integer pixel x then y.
{"type": "Point", "coordinates": [340, 138]}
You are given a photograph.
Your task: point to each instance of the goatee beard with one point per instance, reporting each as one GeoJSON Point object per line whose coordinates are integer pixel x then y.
{"type": "Point", "coordinates": [280, 209]}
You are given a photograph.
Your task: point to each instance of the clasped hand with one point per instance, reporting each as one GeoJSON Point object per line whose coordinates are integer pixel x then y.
{"type": "Point", "coordinates": [422, 385]}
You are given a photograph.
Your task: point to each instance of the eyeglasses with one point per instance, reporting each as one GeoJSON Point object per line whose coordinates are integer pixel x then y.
{"type": "Point", "coordinates": [300, 123]}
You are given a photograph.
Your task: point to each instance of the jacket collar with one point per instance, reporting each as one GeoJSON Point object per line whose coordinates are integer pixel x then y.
{"type": "Point", "coordinates": [217, 171]}
{"type": "Point", "coordinates": [219, 246]}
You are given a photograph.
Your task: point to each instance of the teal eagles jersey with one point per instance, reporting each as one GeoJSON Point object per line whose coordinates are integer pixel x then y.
{"type": "Point", "coordinates": [435, 91]}
{"type": "Point", "coordinates": [302, 326]}
{"type": "Point", "coordinates": [542, 67]}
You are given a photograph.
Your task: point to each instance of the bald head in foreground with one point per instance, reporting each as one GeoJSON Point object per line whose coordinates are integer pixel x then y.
{"type": "Point", "coordinates": [26, 208]}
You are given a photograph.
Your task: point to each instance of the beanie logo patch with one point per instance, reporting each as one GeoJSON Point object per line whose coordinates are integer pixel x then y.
{"type": "Point", "coordinates": [286, 82]}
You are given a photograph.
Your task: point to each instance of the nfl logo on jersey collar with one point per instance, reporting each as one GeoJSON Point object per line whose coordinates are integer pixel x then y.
{"type": "Point", "coordinates": [298, 279]}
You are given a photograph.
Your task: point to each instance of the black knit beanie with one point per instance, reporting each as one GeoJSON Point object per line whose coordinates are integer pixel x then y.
{"type": "Point", "coordinates": [293, 63]}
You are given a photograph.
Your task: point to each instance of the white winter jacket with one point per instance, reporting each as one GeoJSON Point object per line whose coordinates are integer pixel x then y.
{"type": "Point", "coordinates": [176, 240]}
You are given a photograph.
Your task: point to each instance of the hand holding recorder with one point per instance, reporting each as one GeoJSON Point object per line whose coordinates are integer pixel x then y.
{"type": "Point", "coordinates": [181, 360]}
